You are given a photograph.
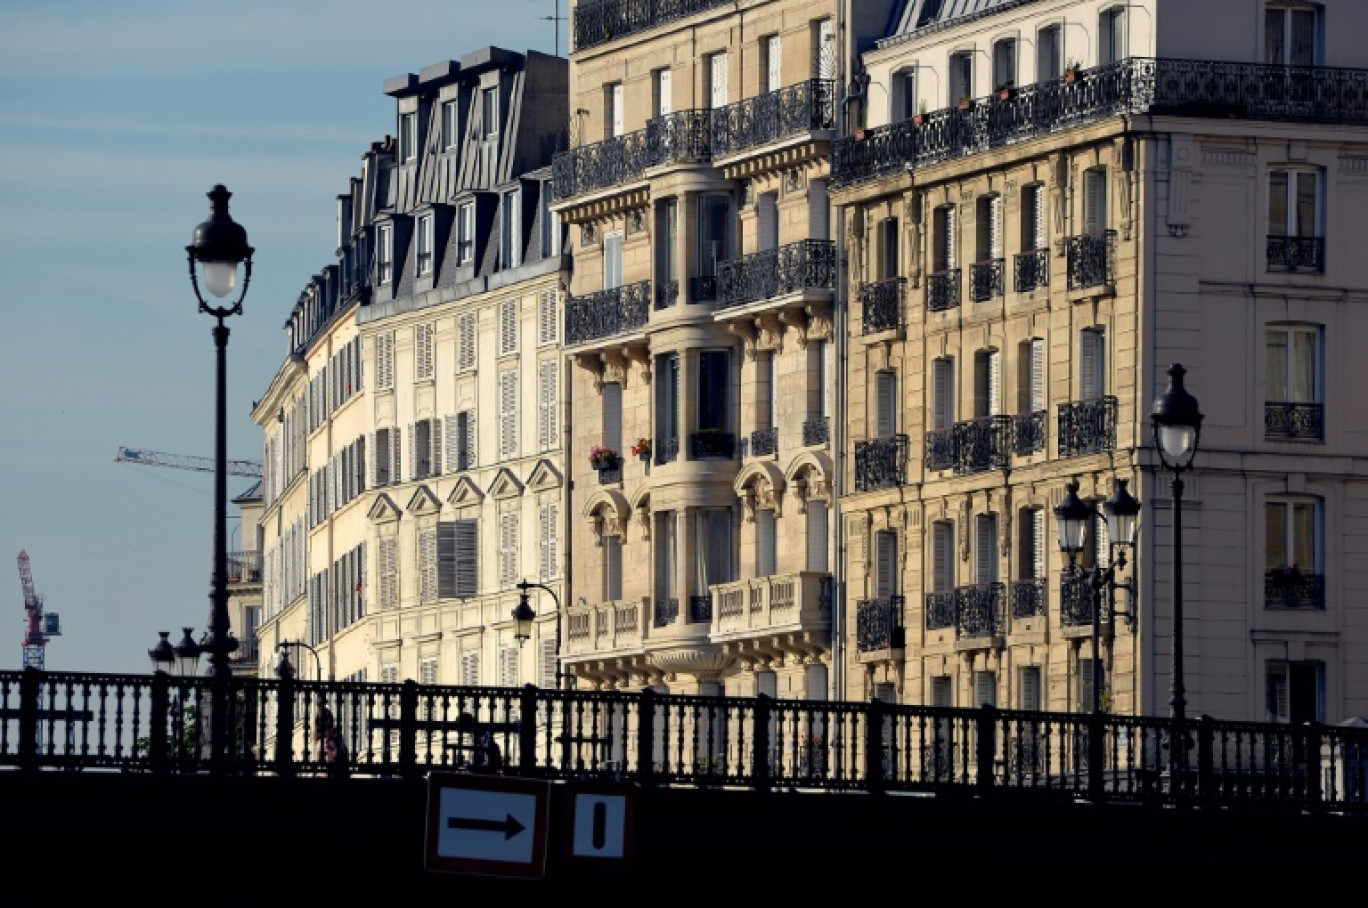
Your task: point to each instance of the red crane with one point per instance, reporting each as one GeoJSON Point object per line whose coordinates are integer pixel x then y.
{"type": "Point", "coordinates": [38, 627]}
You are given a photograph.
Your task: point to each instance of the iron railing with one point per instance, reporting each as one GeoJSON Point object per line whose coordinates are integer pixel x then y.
{"type": "Point", "coordinates": [1296, 253]}
{"type": "Point", "coordinates": [610, 474]}
{"type": "Point", "coordinates": [667, 294]}
{"type": "Point", "coordinates": [154, 724]}
{"type": "Point", "coordinates": [683, 135]}
{"type": "Point", "coordinates": [1087, 426]}
{"type": "Point", "coordinates": [244, 567]}
{"type": "Point", "coordinates": [786, 112]}
{"type": "Point", "coordinates": [881, 304]}
{"type": "Point", "coordinates": [1028, 433]}
{"type": "Point", "coordinates": [880, 463]}
{"type": "Point", "coordinates": [804, 265]}
{"type": "Point", "coordinates": [761, 442]}
{"type": "Point", "coordinates": [701, 608]}
{"type": "Point", "coordinates": [1028, 598]}
{"type": "Point", "coordinates": [879, 624]}
{"type": "Point", "coordinates": [1293, 421]}
{"type": "Point", "coordinates": [703, 289]}
{"type": "Point", "coordinates": [1031, 270]}
{"type": "Point", "coordinates": [596, 22]}
{"type": "Point", "coordinates": [971, 446]}
{"type": "Point", "coordinates": [667, 449]}
{"type": "Point", "coordinates": [1076, 599]}
{"type": "Point", "coordinates": [980, 610]}
{"type": "Point", "coordinates": [943, 290]}
{"type": "Point", "coordinates": [1091, 260]}
{"type": "Point", "coordinates": [1291, 588]}
{"type": "Point", "coordinates": [986, 280]}
{"type": "Point", "coordinates": [607, 312]}
{"type": "Point", "coordinates": [817, 431]}
{"type": "Point", "coordinates": [666, 612]}
{"type": "Point", "coordinates": [940, 609]}
{"type": "Point", "coordinates": [1191, 88]}
{"type": "Point", "coordinates": [711, 443]}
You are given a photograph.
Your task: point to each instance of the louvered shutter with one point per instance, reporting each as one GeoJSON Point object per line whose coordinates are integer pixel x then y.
{"type": "Point", "coordinates": [465, 537]}
{"type": "Point", "coordinates": [427, 566]}
{"type": "Point", "coordinates": [544, 542]}
{"type": "Point", "coordinates": [995, 227]}
{"type": "Point", "coordinates": [1037, 542]}
{"type": "Point", "coordinates": [508, 414]}
{"type": "Point", "coordinates": [886, 402]}
{"type": "Point", "coordinates": [1101, 541]}
{"type": "Point", "coordinates": [470, 439]}
{"type": "Point", "coordinates": [446, 560]}
{"type": "Point", "coordinates": [546, 393]}
{"type": "Point", "coordinates": [615, 100]}
{"type": "Point", "coordinates": [508, 326]}
{"type": "Point", "coordinates": [1278, 710]}
{"type": "Point", "coordinates": [470, 668]}
{"type": "Point", "coordinates": [1094, 201]}
{"type": "Point", "coordinates": [994, 382]}
{"type": "Point", "coordinates": [547, 662]}
{"type": "Point", "coordinates": [508, 550]}
{"type": "Point", "coordinates": [774, 74]}
{"type": "Point", "coordinates": [455, 443]}
{"type": "Point", "coordinates": [985, 549]}
{"type": "Point", "coordinates": [435, 443]}
{"type": "Point", "coordinates": [389, 572]}
{"type": "Point", "coordinates": [414, 472]}
{"type": "Point", "coordinates": [886, 564]}
{"type": "Point", "coordinates": [719, 80]}
{"type": "Point", "coordinates": [1037, 374]}
{"type": "Point", "coordinates": [546, 310]}
{"type": "Point", "coordinates": [395, 458]}
{"type": "Point", "coordinates": [612, 261]}
{"type": "Point", "coordinates": [826, 50]}
{"type": "Point", "coordinates": [817, 536]}
{"type": "Point", "coordinates": [1038, 239]}
{"type": "Point", "coordinates": [508, 666]}
{"type": "Point", "coordinates": [950, 251]}
{"type": "Point", "coordinates": [764, 543]}
{"type": "Point", "coordinates": [985, 689]}
{"type": "Point", "coordinates": [465, 342]}
{"type": "Point", "coordinates": [943, 556]}
{"type": "Point", "coordinates": [1087, 674]}
{"type": "Point", "coordinates": [943, 391]}
{"type": "Point", "coordinates": [1091, 364]}
{"type": "Point", "coordinates": [427, 671]}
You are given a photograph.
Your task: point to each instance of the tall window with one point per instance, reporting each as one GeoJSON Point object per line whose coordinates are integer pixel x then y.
{"type": "Point", "coordinates": [942, 556]}
{"type": "Point", "coordinates": [772, 64]}
{"type": "Point", "coordinates": [611, 428]}
{"type": "Point", "coordinates": [944, 239]}
{"type": "Point", "coordinates": [885, 403]}
{"type": "Point", "coordinates": [817, 558]}
{"type": "Point", "coordinates": [510, 231]}
{"type": "Point", "coordinates": [888, 244]}
{"type": "Point", "coordinates": [987, 383]}
{"type": "Point", "coordinates": [904, 96]}
{"type": "Point", "coordinates": [714, 232]}
{"type": "Point", "coordinates": [612, 114]}
{"type": "Point", "coordinates": [1004, 63]}
{"type": "Point", "coordinates": [667, 265]}
{"type": "Point", "coordinates": [465, 233]}
{"type": "Point", "coordinates": [1031, 376]}
{"type": "Point", "coordinates": [1292, 382]}
{"type": "Point", "coordinates": [1292, 534]}
{"type": "Point", "coordinates": [717, 80]}
{"type": "Point", "coordinates": [989, 228]}
{"type": "Point", "coordinates": [667, 401]}
{"type": "Point", "coordinates": [425, 241]}
{"type": "Point", "coordinates": [451, 124]}
{"type": "Point", "coordinates": [550, 223]}
{"type": "Point", "coordinates": [985, 549]}
{"type": "Point", "coordinates": [408, 137]}
{"type": "Point", "coordinates": [714, 386]}
{"type": "Point", "coordinates": [1033, 234]}
{"type": "Point", "coordinates": [1049, 54]}
{"type": "Point", "coordinates": [961, 76]}
{"type": "Point", "coordinates": [1111, 35]}
{"type": "Point", "coordinates": [508, 414]}
{"type": "Point", "coordinates": [612, 260]}
{"type": "Point", "coordinates": [885, 564]}
{"type": "Point", "coordinates": [427, 566]}
{"type": "Point", "coordinates": [1092, 357]}
{"type": "Point", "coordinates": [1031, 544]}
{"type": "Point", "coordinates": [1295, 691]}
{"type": "Point", "coordinates": [824, 49]}
{"type": "Point", "coordinates": [1291, 34]}
{"type": "Point", "coordinates": [1095, 201]}
{"type": "Point", "coordinates": [612, 568]}
{"type": "Point", "coordinates": [384, 254]}
{"type": "Point", "coordinates": [460, 441]}
{"type": "Point", "coordinates": [766, 543]}
{"type": "Point", "coordinates": [663, 92]}
{"type": "Point", "coordinates": [489, 112]}
{"type": "Point", "coordinates": [667, 556]}
{"type": "Point", "coordinates": [389, 572]}
{"type": "Point", "coordinates": [422, 439]}
{"type": "Point", "coordinates": [1295, 219]}
{"type": "Point", "coordinates": [985, 688]}
{"type": "Point", "coordinates": [713, 548]}
{"type": "Point", "coordinates": [943, 392]}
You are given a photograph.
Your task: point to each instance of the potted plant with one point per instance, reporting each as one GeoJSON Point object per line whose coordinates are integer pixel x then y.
{"type": "Point", "coordinates": [920, 117]}
{"type": "Point", "coordinates": [1071, 70]}
{"type": "Point", "coordinates": [1004, 90]}
{"type": "Point", "coordinates": [602, 458]}
{"type": "Point", "coordinates": [966, 102]}
{"type": "Point", "coordinates": [642, 448]}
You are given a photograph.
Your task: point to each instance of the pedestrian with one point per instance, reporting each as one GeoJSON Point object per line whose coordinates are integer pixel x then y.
{"type": "Point", "coordinates": [329, 748]}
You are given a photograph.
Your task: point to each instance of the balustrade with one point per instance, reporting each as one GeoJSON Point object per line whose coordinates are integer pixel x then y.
{"type": "Point", "coordinates": [1087, 426]}
{"type": "Point", "coordinates": [607, 312]}
{"type": "Point", "coordinates": [771, 273]}
{"type": "Point", "coordinates": [880, 463]}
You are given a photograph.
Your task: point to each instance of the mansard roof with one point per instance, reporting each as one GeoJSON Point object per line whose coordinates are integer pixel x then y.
{"type": "Point", "coordinates": [925, 15]}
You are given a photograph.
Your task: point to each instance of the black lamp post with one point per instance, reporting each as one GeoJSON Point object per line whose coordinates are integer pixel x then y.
{"type": "Point", "coordinates": [183, 657]}
{"type": "Point", "coordinates": [219, 245]}
{"type": "Point", "coordinates": [284, 666]}
{"type": "Point", "coordinates": [1177, 425]}
{"type": "Point", "coordinates": [523, 616]}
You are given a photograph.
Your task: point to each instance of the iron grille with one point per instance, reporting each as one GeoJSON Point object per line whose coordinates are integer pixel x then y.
{"type": "Point", "coordinates": [878, 624]}
{"type": "Point", "coordinates": [1028, 433]}
{"type": "Point", "coordinates": [764, 441]}
{"type": "Point", "coordinates": [1032, 270]}
{"type": "Point", "coordinates": [942, 290]}
{"type": "Point", "coordinates": [607, 312]}
{"type": "Point", "coordinates": [940, 610]}
{"type": "Point", "coordinates": [1296, 253]}
{"type": "Point", "coordinates": [807, 264]}
{"type": "Point", "coordinates": [712, 443]}
{"type": "Point", "coordinates": [1291, 588]}
{"type": "Point", "coordinates": [880, 463]}
{"type": "Point", "coordinates": [666, 612]}
{"type": "Point", "coordinates": [701, 608]}
{"type": "Point", "coordinates": [986, 280]}
{"type": "Point", "coordinates": [980, 610]}
{"type": "Point", "coordinates": [816, 431]}
{"type": "Point", "coordinates": [1087, 426]}
{"type": "Point", "coordinates": [1294, 421]}
{"type": "Point", "coordinates": [881, 304]}
{"type": "Point", "coordinates": [1028, 598]}
{"type": "Point", "coordinates": [789, 111]}
{"type": "Point", "coordinates": [1091, 260]}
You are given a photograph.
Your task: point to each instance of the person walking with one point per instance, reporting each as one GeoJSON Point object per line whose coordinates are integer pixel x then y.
{"type": "Point", "coordinates": [329, 748]}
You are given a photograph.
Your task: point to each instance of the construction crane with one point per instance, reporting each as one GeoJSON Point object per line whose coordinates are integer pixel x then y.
{"type": "Point", "coordinates": [186, 462]}
{"type": "Point", "coordinates": [39, 626]}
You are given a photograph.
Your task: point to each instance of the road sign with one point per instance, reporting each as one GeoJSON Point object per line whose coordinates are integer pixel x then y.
{"type": "Point", "coordinates": [602, 821]}
{"type": "Point", "coordinates": [487, 825]}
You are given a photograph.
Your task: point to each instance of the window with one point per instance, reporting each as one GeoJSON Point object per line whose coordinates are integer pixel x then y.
{"type": "Point", "coordinates": [612, 568]}
{"type": "Point", "coordinates": [1033, 233]}
{"type": "Point", "coordinates": [427, 670]}
{"type": "Point", "coordinates": [987, 383]}
{"type": "Point", "coordinates": [942, 556]}
{"type": "Point", "coordinates": [1092, 363]}
{"type": "Point", "coordinates": [961, 77]}
{"type": "Point", "coordinates": [1090, 677]}
{"type": "Point", "coordinates": [508, 327]}
{"type": "Point", "coordinates": [767, 221]}
{"type": "Point", "coordinates": [465, 233]}
{"type": "Point", "coordinates": [944, 239]}
{"type": "Point", "coordinates": [387, 457]}
{"type": "Point", "coordinates": [465, 342]}
{"type": "Point", "coordinates": [771, 64]}
{"type": "Point", "coordinates": [989, 228]}
{"type": "Point", "coordinates": [1049, 54]}
{"type": "Point", "coordinates": [424, 448]}
{"type": "Point", "coordinates": [612, 110]}
{"type": "Point", "coordinates": [425, 247]}
{"type": "Point", "coordinates": [427, 566]}
{"type": "Point", "coordinates": [885, 564]}
{"type": "Point", "coordinates": [1095, 201]}
{"type": "Point", "coordinates": [1028, 693]}
{"type": "Point", "coordinates": [717, 80]}
{"type": "Point", "coordinates": [885, 403]}
{"type": "Point", "coordinates": [904, 96]}
{"type": "Point", "coordinates": [460, 441]}
{"type": "Point", "coordinates": [612, 260]}
{"type": "Point", "coordinates": [548, 397]}
{"type": "Point", "coordinates": [1291, 35]}
{"type": "Point", "coordinates": [667, 557]}
{"type": "Point", "coordinates": [408, 137]}
{"type": "Point", "coordinates": [547, 663]}
{"type": "Point", "coordinates": [888, 236]}
{"type": "Point", "coordinates": [1031, 376]}
{"type": "Point", "coordinates": [384, 361]}
{"type": "Point", "coordinates": [985, 688]}
{"type": "Point", "coordinates": [663, 101]}
{"type": "Point", "coordinates": [470, 668]}
{"type": "Point", "coordinates": [1295, 216]}
{"type": "Point", "coordinates": [766, 543]}
{"type": "Point", "coordinates": [508, 414]}
{"type": "Point", "coordinates": [384, 254]}
{"type": "Point", "coordinates": [985, 549]}
{"type": "Point", "coordinates": [817, 536]}
{"type": "Point", "coordinates": [713, 548]}
{"type": "Point", "coordinates": [510, 231]}
{"type": "Point", "coordinates": [1004, 64]}
{"type": "Point", "coordinates": [824, 49]}
{"type": "Point", "coordinates": [508, 666]}
{"type": "Point", "coordinates": [714, 232]}
{"type": "Point", "coordinates": [1292, 383]}
{"type": "Point", "coordinates": [1111, 36]}
{"type": "Point", "coordinates": [1295, 691]}
{"type": "Point", "coordinates": [546, 318]}
{"type": "Point", "coordinates": [457, 551]}
{"type": "Point", "coordinates": [667, 262]}
{"type": "Point", "coordinates": [489, 112]}
{"type": "Point", "coordinates": [550, 224]}
{"type": "Point", "coordinates": [389, 572]}
{"type": "Point", "coordinates": [610, 429]}
{"type": "Point", "coordinates": [667, 404]}
{"type": "Point", "coordinates": [714, 381]}
{"type": "Point", "coordinates": [423, 352]}
{"type": "Point", "coordinates": [549, 551]}
{"type": "Point", "coordinates": [1292, 534]}
{"type": "Point", "coordinates": [508, 550]}
{"type": "Point", "coordinates": [943, 393]}
{"type": "Point", "coordinates": [1031, 544]}
{"type": "Point", "coordinates": [451, 124]}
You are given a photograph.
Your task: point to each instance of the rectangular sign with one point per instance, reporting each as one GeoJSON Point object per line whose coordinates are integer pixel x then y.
{"type": "Point", "coordinates": [602, 822]}
{"type": "Point", "coordinates": [487, 825]}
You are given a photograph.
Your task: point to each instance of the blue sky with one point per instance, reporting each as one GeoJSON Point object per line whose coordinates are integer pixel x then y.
{"type": "Point", "coordinates": [116, 117]}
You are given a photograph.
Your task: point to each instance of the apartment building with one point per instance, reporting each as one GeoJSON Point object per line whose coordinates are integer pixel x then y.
{"type": "Point", "coordinates": [700, 324]}
{"type": "Point", "coordinates": [1047, 204]}
{"type": "Point", "coordinates": [244, 581]}
{"type": "Point", "coordinates": [424, 479]}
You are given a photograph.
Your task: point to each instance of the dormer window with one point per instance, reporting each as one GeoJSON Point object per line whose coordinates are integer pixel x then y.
{"type": "Point", "coordinates": [465, 233]}
{"type": "Point", "coordinates": [489, 112]}
{"type": "Point", "coordinates": [384, 254]}
{"type": "Point", "coordinates": [451, 124]}
{"type": "Point", "coordinates": [425, 244]}
{"type": "Point", "coordinates": [408, 136]}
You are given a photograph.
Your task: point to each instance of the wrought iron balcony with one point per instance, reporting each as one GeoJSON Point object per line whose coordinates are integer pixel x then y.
{"type": "Point", "coordinates": [680, 136]}
{"type": "Point", "coordinates": [244, 567]}
{"type": "Point", "coordinates": [981, 610]}
{"type": "Point", "coordinates": [1296, 253]}
{"type": "Point", "coordinates": [879, 624]}
{"type": "Point", "coordinates": [1291, 588]}
{"type": "Point", "coordinates": [940, 449]}
{"type": "Point", "coordinates": [805, 265]}
{"type": "Point", "coordinates": [1091, 260]}
{"type": "Point", "coordinates": [248, 652]}
{"type": "Point", "coordinates": [667, 449]}
{"type": "Point", "coordinates": [607, 312]}
{"type": "Point", "coordinates": [701, 609]}
{"type": "Point", "coordinates": [667, 294]}
{"type": "Point", "coordinates": [986, 280]}
{"type": "Point", "coordinates": [1087, 426]}
{"type": "Point", "coordinates": [761, 442]}
{"type": "Point", "coordinates": [1191, 88]}
{"type": "Point", "coordinates": [1032, 270]}
{"type": "Point", "coordinates": [1076, 600]}
{"type": "Point", "coordinates": [1028, 598]}
{"type": "Point", "coordinates": [1028, 433]}
{"type": "Point", "coordinates": [817, 431]}
{"type": "Point", "coordinates": [790, 111]}
{"type": "Point", "coordinates": [940, 610]}
{"type": "Point", "coordinates": [1291, 421]}
{"type": "Point", "coordinates": [596, 22]}
{"type": "Point", "coordinates": [683, 135]}
{"type": "Point", "coordinates": [703, 289]}
{"type": "Point", "coordinates": [971, 446]}
{"type": "Point", "coordinates": [881, 304]}
{"type": "Point", "coordinates": [880, 463]}
{"type": "Point", "coordinates": [666, 612]}
{"type": "Point", "coordinates": [943, 290]}
{"type": "Point", "coordinates": [711, 443]}
{"type": "Point", "coordinates": [610, 474]}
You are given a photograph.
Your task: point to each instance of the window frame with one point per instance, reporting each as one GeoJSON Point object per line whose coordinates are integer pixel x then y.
{"type": "Point", "coordinates": [465, 233]}
{"type": "Point", "coordinates": [489, 112]}
{"type": "Point", "coordinates": [425, 255]}
{"type": "Point", "coordinates": [384, 253]}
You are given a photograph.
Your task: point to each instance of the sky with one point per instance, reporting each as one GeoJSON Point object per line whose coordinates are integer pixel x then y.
{"type": "Point", "coordinates": [116, 118]}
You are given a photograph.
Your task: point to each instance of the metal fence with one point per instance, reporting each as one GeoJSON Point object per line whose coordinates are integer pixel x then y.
{"type": "Point", "coordinates": [157, 724]}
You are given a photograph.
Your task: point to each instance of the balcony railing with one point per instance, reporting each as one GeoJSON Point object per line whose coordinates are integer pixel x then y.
{"type": "Point", "coordinates": [1076, 600]}
{"type": "Point", "coordinates": [881, 304]}
{"type": "Point", "coordinates": [604, 627]}
{"type": "Point", "coordinates": [684, 135]}
{"type": "Point", "coordinates": [1290, 588]}
{"type": "Point", "coordinates": [703, 289]}
{"type": "Point", "coordinates": [610, 474]}
{"type": "Point", "coordinates": [773, 604]}
{"type": "Point", "coordinates": [940, 610]}
{"type": "Point", "coordinates": [1032, 270]}
{"type": "Point", "coordinates": [667, 294]}
{"type": "Point", "coordinates": [1289, 421]}
{"type": "Point", "coordinates": [762, 442]}
{"type": "Point", "coordinates": [1091, 260]}
{"type": "Point", "coordinates": [1087, 426]}
{"type": "Point", "coordinates": [1192, 88]}
{"type": "Point", "coordinates": [598, 21]}
{"type": "Point", "coordinates": [607, 312]}
{"type": "Point", "coordinates": [711, 443]}
{"type": "Point", "coordinates": [971, 446]}
{"type": "Point", "coordinates": [986, 280]}
{"type": "Point", "coordinates": [1296, 253]}
{"type": "Point", "coordinates": [943, 290]}
{"type": "Point", "coordinates": [1028, 598]}
{"type": "Point", "coordinates": [817, 431]}
{"type": "Point", "coordinates": [880, 463]}
{"type": "Point", "coordinates": [701, 609]}
{"type": "Point", "coordinates": [666, 612]}
{"type": "Point", "coordinates": [805, 265]}
{"type": "Point", "coordinates": [667, 449]}
{"type": "Point", "coordinates": [244, 567]}
{"type": "Point", "coordinates": [790, 111]}
{"type": "Point", "coordinates": [1028, 433]}
{"type": "Point", "coordinates": [981, 610]}
{"type": "Point", "coordinates": [879, 624]}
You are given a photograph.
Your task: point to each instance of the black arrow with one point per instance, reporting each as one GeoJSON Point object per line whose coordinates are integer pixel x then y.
{"type": "Point", "coordinates": [509, 827]}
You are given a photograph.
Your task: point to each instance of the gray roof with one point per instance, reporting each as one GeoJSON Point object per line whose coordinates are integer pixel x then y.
{"type": "Point", "coordinates": [253, 493]}
{"type": "Point", "coordinates": [923, 15]}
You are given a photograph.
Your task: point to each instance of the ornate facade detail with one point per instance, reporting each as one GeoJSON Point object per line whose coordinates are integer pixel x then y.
{"type": "Point", "coordinates": [636, 221]}
{"type": "Point", "coordinates": [589, 234]}
{"type": "Point", "coordinates": [769, 333]}
{"type": "Point", "coordinates": [793, 180]}
{"type": "Point", "coordinates": [641, 356]}
{"type": "Point", "coordinates": [965, 514]}
{"type": "Point", "coordinates": [745, 331]}
{"type": "Point", "coordinates": [797, 322]}
{"type": "Point", "coordinates": [591, 363]}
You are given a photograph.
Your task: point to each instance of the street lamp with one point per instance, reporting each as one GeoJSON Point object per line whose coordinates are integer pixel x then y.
{"type": "Point", "coordinates": [183, 657]}
{"type": "Point", "coordinates": [523, 616]}
{"type": "Point", "coordinates": [1177, 425]}
{"type": "Point", "coordinates": [219, 245]}
{"type": "Point", "coordinates": [285, 668]}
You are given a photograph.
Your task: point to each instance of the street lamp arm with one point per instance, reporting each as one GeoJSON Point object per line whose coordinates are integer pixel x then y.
{"type": "Point", "coordinates": [318, 662]}
{"type": "Point", "coordinates": [524, 615]}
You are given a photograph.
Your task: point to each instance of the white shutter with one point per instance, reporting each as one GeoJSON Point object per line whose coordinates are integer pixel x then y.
{"type": "Point", "coordinates": [1037, 542]}
{"type": "Point", "coordinates": [470, 668]}
{"type": "Point", "coordinates": [548, 424]}
{"type": "Point", "coordinates": [817, 536]}
{"type": "Point", "coordinates": [454, 442]}
{"type": "Point", "coordinates": [1038, 240]}
{"type": "Point", "coordinates": [1101, 541]}
{"type": "Point", "coordinates": [664, 93]}
{"type": "Point", "coordinates": [719, 80]}
{"type": "Point", "coordinates": [508, 414]}
{"type": "Point", "coordinates": [886, 564]}
{"type": "Point", "coordinates": [396, 448]}
{"type": "Point", "coordinates": [943, 390]}
{"type": "Point", "coordinates": [943, 556]}
{"type": "Point", "coordinates": [508, 666]}
{"type": "Point", "coordinates": [427, 671]}
{"type": "Point", "coordinates": [774, 75]}
{"type": "Point", "coordinates": [985, 689]}
{"type": "Point", "coordinates": [466, 538]}
{"type": "Point", "coordinates": [951, 251]}
{"type": "Point", "coordinates": [985, 550]}
{"type": "Point", "coordinates": [435, 446]}
{"type": "Point", "coordinates": [427, 566]}
{"type": "Point", "coordinates": [615, 101]}
{"type": "Point", "coordinates": [465, 342]}
{"type": "Point", "coordinates": [826, 50]}
{"type": "Point", "coordinates": [995, 227]}
{"type": "Point", "coordinates": [1037, 374]}
{"type": "Point", "coordinates": [1094, 200]}
{"type": "Point", "coordinates": [547, 661]}
{"type": "Point", "coordinates": [470, 439]}
{"type": "Point", "coordinates": [1091, 364]}
{"type": "Point", "coordinates": [389, 572]}
{"type": "Point", "coordinates": [886, 403]}
{"type": "Point", "coordinates": [547, 542]}
{"type": "Point", "coordinates": [1277, 693]}
{"type": "Point", "coordinates": [414, 472]}
{"type": "Point", "coordinates": [384, 361]}
{"type": "Point", "coordinates": [546, 312]}
{"type": "Point", "coordinates": [994, 382]}
{"type": "Point", "coordinates": [422, 353]}
{"type": "Point", "coordinates": [508, 550]}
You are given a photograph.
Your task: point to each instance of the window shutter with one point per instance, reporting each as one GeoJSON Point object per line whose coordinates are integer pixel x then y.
{"type": "Point", "coordinates": [470, 668]}
{"type": "Point", "coordinates": [547, 662]}
{"type": "Point", "coordinates": [422, 354]}
{"type": "Point", "coordinates": [427, 671]}
{"type": "Point", "coordinates": [615, 99]}
{"type": "Point", "coordinates": [465, 342]}
{"type": "Point", "coordinates": [985, 549]}
{"type": "Point", "coordinates": [774, 75]}
{"type": "Point", "coordinates": [886, 566]}
{"type": "Point", "coordinates": [612, 261]}
{"type": "Point", "coordinates": [546, 308]}
{"type": "Point", "coordinates": [1091, 354]}
{"type": "Point", "coordinates": [389, 572]}
{"type": "Point", "coordinates": [427, 566]}
{"type": "Point", "coordinates": [1038, 240]}
{"type": "Point", "coordinates": [951, 251]}
{"type": "Point", "coordinates": [455, 443]}
{"type": "Point", "coordinates": [1037, 542]}
{"type": "Point", "coordinates": [384, 361]}
{"type": "Point", "coordinates": [547, 422]}
{"type": "Point", "coordinates": [508, 666]}
{"type": "Point", "coordinates": [943, 555]}
{"type": "Point", "coordinates": [1037, 374]}
{"type": "Point", "coordinates": [508, 326]}
{"type": "Point", "coordinates": [985, 689]}
{"type": "Point", "coordinates": [1087, 672]}
{"type": "Point", "coordinates": [1094, 200]}
{"type": "Point", "coordinates": [435, 440]}
{"type": "Point", "coordinates": [413, 452]}
{"type": "Point", "coordinates": [664, 94]}
{"type": "Point", "coordinates": [547, 541]}
{"type": "Point", "coordinates": [612, 416]}
{"type": "Point", "coordinates": [1277, 693]}
{"type": "Point", "coordinates": [943, 389]}
{"type": "Point", "coordinates": [995, 227]}
{"type": "Point", "coordinates": [817, 536]}
{"type": "Point", "coordinates": [886, 400]}
{"type": "Point", "coordinates": [446, 560]}
{"type": "Point", "coordinates": [508, 414]}
{"type": "Point", "coordinates": [470, 439]}
{"type": "Point", "coordinates": [719, 80]}
{"type": "Point", "coordinates": [508, 550]}
{"type": "Point", "coordinates": [465, 536]}
{"type": "Point", "coordinates": [1101, 541]}
{"type": "Point", "coordinates": [994, 382]}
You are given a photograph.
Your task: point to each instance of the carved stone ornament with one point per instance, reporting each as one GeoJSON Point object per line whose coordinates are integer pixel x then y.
{"type": "Point", "coordinates": [636, 221]}
{"type": "Point", "coordinates": [589, 235]}
{"type": "Point", "coordinates": [748, 504]}
{"type": "Point", "coordinates": [793, 180]}
{"type": "Point", "coordinates": [643, 519]}
{"type": "Point", "coordinates": [965, 508]}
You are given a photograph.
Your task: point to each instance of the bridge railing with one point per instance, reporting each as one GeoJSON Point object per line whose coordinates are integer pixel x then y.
{"type": "Point", "coordinates": [160, 724]}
